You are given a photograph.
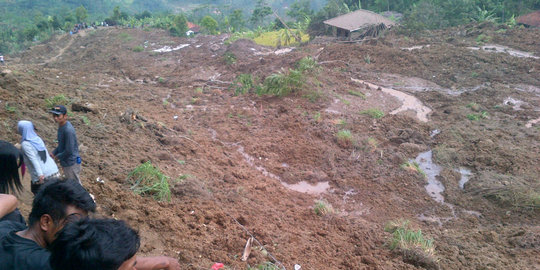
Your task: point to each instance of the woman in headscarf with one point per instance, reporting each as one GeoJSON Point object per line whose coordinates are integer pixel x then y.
{"type": "Point", "coordinates": [10, 161]}
{"type": "Point", "coordinates": [36, 157]}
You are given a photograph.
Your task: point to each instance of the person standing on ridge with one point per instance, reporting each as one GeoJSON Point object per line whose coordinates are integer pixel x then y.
{"type": "Point", "coordinates": [36, 157]}
{"type": "Point", "coordinates": [67, 151]}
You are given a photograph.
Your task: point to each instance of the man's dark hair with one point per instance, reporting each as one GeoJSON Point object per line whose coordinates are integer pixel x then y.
{"type": "Point", "coordinates": [10, 161]}
{"type": "Point", "coordinates": [55, 196]}
{"type": "Point", "coordinates": [91, 244]}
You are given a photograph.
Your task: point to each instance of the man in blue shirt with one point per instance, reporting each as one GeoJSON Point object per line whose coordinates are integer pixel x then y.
{"type": "Point", "coordinates": [67, 151]}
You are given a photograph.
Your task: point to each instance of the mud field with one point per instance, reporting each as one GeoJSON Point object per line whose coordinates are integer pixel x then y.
{"type": "Point", "coordinates": [467, 112]}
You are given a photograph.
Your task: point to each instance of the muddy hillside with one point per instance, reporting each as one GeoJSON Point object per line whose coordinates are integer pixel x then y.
{"type": "Point", "coordinates": [440, 129]}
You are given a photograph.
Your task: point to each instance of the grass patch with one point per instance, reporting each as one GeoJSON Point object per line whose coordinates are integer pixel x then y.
{"type": "Point", "coordinates": [357, 93]}
{"type": "Point", "coordinates": [414, 247]}
{"type": "Point", "coordinates": [373, 113]}
{"type": "Point", "coordinates": [344, 138]}
{"type": "Point", "coordinates": [85, 120]}
{"type": "Point", "coordinates": [125, 37]}
{"type": "Point", "coordinates": [478, 116]}
{"type": "Point", "coordinates": [149, 180]}
{"type": "Point", "coordinates": [514, 196]}
{"type": "Point", "coordinates": [10, 108]}
{"type": "Point", "coordinates": [317, 116]}
{"type": "Point", "coordinates": [322, 208]}
{"type": "Point", "coordinates": [483, 38]}
{"type": "Point", "coordinates": [56, 100]}
{"type": "Point", "coordinates": [265, 266]}
{"type": "Point", "coordinates": [138, 49]}
{"type": "Point", "coordinates": [413, 166]}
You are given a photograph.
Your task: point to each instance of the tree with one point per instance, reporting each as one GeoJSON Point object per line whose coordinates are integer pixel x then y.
{"type": "Point", "coordinates": [179, 26]}
{"type": "Point", "coordinates": [260, 12]}
{"type": "Point", "coordinates": [237, 20]}
{"type": "Point", "coordinates": [300, 9]}
{"type": "Point", "coordinates": [209, 25]}
{"type": "Point", "coordinates": [81, 14]}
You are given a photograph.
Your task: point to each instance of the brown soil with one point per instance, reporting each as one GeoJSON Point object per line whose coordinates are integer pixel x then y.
{"type": "Point", "coordinates": [234, 152]}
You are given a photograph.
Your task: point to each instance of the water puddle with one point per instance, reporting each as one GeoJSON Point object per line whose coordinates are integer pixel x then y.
{"type": "Point", "coordinates": [170, 49]}
{"type": "Point", "coordinates": [409, 102]}
{"type": "Point", "coordinates": [416, 47]}
{"type": "Point", "coordinates": [283, 51]}
{"type": "Point", "coordinates": [515, 103]}
{"type": "Point", "coordinates": [504, 49]}
{"type": "Point", "coordinates": [465, 175]}
{"type": "Point", "coordinates": [434, 188]}
{"type": "Point", "coordinates": [532, 122]}
{"type": "Point", "coordinates": [302, 186]}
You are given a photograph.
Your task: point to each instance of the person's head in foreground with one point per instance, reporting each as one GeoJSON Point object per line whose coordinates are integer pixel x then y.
{"type": "Point", "coordinates": [57, 203]}
{"type": "Point", "coordinates": [92, 244]}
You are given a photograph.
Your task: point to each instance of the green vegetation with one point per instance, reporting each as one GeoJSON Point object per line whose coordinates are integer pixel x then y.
{"type": "Point", "coordinates": [478, 116]}
{"type": "Point", "coordinates": [24, 23]}
{"type": "Point", "coordinates": [229, 58]}
{"type": "Point", "coordinates": [264, 266]}
{"type": "Point", "coordinates": [405, 239]}
{"type": "Point", "coordinates": [323, 208]}
{"type": "Point", "coordinates": [357, 93]}
{"type": "Point", "coordinates": [85, 120]}
{"type": "Point", "coordinates": [373, 113]}
{"type": "Point", "coordinates": [482, 38]}
{"type": "Point", "coordinates": [56, 100]}
{"type": "Point", "coordinates": [125, 37]}
{"type": "Point", "coordinates": [413, 166]}
{"type": "Point", "coordinates": [9, 108]}
{"type": "Point", "coordinates": [149, 180]}
{"type": "Point", "coordinates": [242, 84]}
{"type": "Point", "coordinates": [138, 49]}
{"type": "Point", "coordinates": [515, 196]}
{"type": "Point", "coordinates": [344, 138]}
{"type": "Point", "coordinates": [317, 116]}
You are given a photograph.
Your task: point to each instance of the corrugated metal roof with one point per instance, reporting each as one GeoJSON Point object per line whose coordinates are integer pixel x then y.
{"type": "Point", "coordinates": [358, 20]}
{"type": "Point", "coordinates": [532, 19]}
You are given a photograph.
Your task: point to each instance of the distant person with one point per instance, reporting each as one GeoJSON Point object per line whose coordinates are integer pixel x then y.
{"type": "Point", "coordinates": [1, 59]}
{"type": "Point", "coordinates": [58, 202]}
{"type": "Point", "coordinates": [105, 244]}
{"type": "Point", "coordinates": [11, 160]}
{"type": "Point", "coordinates": [36, 157]}
{"type": "Point", "coordinates": [67, 151]}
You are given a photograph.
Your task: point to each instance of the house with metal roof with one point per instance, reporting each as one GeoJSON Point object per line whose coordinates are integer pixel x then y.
{"type": "Point", "coordinates": [531, 20]}
{"type": "Point", "coordinates": [358, 24]}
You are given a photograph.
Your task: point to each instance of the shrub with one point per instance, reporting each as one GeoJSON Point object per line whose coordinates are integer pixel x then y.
{"type": "Point", "coordinates": [242, 84]}
{"type": "Point", "coordinates": [323, 208]}
{"type": "Point", "coordinates": [138, 49]}
{"type": "Point", "coordinates": [374, 113]}
{"type": "Point", "coordinates": [56, 100]}
{"type": "Point", "coordinates": [307, 64]}
{"type": "Point", "coordinates": [279, 84]}
{"type": "Point", "coordinates": [229, 58]}
{"type": "Point", "coordinates": [149, 180]}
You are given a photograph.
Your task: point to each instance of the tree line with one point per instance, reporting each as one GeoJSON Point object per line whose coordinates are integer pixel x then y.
{"type": "Point", "coordinates": [25, 22]}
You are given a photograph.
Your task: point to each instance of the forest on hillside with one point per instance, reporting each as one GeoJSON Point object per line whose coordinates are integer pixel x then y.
{"type": "Point", "coordinates": [25, 22]}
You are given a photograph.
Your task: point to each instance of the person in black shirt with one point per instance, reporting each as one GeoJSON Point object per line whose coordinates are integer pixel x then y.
{"type": "Point", "coordinates": [57, 203]}
{"type": "Point", "coordinates": [10, 161]}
